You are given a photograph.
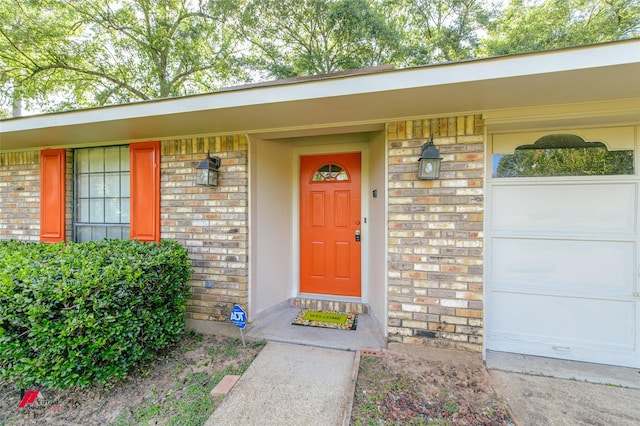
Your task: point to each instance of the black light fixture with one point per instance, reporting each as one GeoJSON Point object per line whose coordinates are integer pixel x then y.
{"type": "Point", "coordinates": [429, 161]}
{"type": "Point", "coordinates": [207, 171]}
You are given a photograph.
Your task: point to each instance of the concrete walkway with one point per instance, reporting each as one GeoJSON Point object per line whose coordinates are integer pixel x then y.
{"type": "Point", "coordinates": [277, 327]}
{"type": "Point", "coordinates": [305, 376]}
{"type": "Point", "coordinates": [538, 400]}
{"type": "Point", "coordinates": [291, 385]}
{"type": "Point", "coordinates": [545, 391]}
{"type": "Point", "coordinates": [294, 384]}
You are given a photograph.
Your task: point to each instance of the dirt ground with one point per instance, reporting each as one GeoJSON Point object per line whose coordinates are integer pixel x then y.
{"type": "Point", "coordinates": [174, 390]}
{"type": "Point", "coordinates": [408, 385]}
{"type": "Point", "coordinates": [420, 385]}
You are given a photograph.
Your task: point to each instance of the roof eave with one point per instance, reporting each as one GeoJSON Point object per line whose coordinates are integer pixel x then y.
{"type": "Point", "coordinates": [585, 74]}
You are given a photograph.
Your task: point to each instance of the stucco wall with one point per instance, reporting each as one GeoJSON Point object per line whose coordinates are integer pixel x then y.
{"type": "Point", "coordinates": [271, 219]}
{"type": "Point", "coordinates": [435, 234]}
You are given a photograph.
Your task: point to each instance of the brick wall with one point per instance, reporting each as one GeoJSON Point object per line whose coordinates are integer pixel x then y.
{"type": "Point", "coordinates": [435, 234]}
{"type": "Point", "coordinates": [68, 215]}
{"type": "Point", "coordinates": [20, 196]}
{"type": "Point", "coordinates": [435, 227]}
{"type": "Point", "coordinates": [211, 222]}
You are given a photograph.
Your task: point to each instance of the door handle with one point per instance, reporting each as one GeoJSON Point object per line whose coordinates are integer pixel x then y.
{"type": "Point", "coordinates": [357, 236]}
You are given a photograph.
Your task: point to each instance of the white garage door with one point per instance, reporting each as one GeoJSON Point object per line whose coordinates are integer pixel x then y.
{"type": "Point", "coordinates": [562, 268]}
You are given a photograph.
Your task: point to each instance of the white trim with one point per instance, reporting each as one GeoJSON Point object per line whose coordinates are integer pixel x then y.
{"type": "Point", "coordinates": [385, 319]}
{"type": "Point", "coordinates": [586, 114]}
{"type": "Point", "coordinates": [250, 263]}
{"type": "Point", "coordinates": [486, 264]}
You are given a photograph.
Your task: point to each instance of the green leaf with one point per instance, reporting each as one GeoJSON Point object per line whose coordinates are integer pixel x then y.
{"type": "Point", "coordinates": [60, 326]}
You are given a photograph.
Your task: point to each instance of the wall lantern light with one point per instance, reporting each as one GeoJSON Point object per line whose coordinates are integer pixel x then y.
{"type": "Point", "coordinates": [207, 171]}
{"type": "Point", "coordinates": [429, 161]}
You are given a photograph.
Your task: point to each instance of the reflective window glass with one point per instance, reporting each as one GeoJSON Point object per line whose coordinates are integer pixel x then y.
{"type": "Point", "coordinates": [563, 155]}
{"type": "Point", "coordinates": [101, 195]}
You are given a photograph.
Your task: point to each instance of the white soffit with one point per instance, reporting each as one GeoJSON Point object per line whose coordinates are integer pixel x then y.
{"type": "Point", "coordinates": [595, 73]}
{"type": "Point", "coordinates": [562, 116]}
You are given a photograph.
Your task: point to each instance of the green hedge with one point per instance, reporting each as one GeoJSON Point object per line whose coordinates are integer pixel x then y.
{"type": "Point", "coordinates": [81, 313]}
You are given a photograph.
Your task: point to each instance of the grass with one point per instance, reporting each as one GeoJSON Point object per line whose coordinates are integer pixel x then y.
{"type": "Point", "coordinates": [172, 389]}
{"type": "Point", "coordinates": [451, 407]}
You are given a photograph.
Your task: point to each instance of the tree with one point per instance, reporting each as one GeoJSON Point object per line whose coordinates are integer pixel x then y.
{"type": "Point", "coordinates": [441, 30]}
{"type": "Point", "coordinates": [68, 54]}
{"type": "Point", "coordinates": [308, 37]}
{"type": "Point", "coordinates": [97, 52]}
{"type": "Point", "coordinates": [24, 31]}
{"type": "Point", "coordinates": [525, 26]}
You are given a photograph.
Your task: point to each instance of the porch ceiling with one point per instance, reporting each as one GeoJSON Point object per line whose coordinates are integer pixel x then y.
{"type": "Point", "coordinates": [587, 74]}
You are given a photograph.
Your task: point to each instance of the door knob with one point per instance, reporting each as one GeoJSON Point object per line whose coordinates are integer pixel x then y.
{"type": "Point", "coordinates": [357, 236]}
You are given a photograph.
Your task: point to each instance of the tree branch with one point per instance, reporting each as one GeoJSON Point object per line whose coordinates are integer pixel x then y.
{"type": "Point", "coordinates": [119, 83]}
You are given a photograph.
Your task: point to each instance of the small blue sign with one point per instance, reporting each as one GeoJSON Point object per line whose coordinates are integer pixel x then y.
{"type": "Point", "coordinates": [238, 317]}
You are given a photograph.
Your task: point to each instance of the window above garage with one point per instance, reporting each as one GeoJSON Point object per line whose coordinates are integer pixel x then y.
{"type": "Point", "coordinates": [563, 154]}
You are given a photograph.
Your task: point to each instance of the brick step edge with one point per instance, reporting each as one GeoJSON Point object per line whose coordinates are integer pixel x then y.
{"type": "Point", "coordinates": [225, 385]}
{"type": "Point", "coordinates": [328, 305]}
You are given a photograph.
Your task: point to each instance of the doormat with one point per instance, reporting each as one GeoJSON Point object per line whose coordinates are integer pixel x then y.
{"type": "Point", "coordinates": [327, 319]}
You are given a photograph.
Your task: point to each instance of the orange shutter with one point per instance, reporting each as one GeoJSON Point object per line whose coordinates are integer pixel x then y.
{"type": "Point", "coordinates": [52, 195]}
{"type": "Point", "coordinates": [145, 191]}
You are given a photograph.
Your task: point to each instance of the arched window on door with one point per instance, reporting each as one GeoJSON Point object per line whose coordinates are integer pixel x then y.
{"type": "Point", "coordinates": [330, 173]}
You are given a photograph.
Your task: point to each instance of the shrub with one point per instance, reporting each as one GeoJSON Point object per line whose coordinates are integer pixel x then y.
{"type": "Point", "coordinates": [81, 313]}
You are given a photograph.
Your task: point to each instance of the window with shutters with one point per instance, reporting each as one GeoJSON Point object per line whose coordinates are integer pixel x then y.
{"type": "Point", "coordinates": [101, 193]}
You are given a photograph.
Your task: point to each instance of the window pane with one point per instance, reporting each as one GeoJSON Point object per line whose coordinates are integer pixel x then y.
{"type": "Point", "coordinates": [112, 159]}
{"type": "Point", "coordinates": [342, 176]}
{"type": "Point", "coordinates": [82, 211]}
{"type": "Point", "coordinates": [563, 162]}
{"type": "Point", "coordinates": [112, 210]}
{"type": "Point", "coordinates": [98, 233]}
{"type": "Point", "coordinates": [82, 160]}
{"type": "Point", "coordinates": [96, 185]}
{"type": "Point", "coordinates": [96, 160]}
{"type": "Point", "coordinates": [82, 185]}
{"type": "Point", "coordinates": [330, 173]}
{"type": "Point", "coordinates": [124, 184]}
{"type": "Point", "coordinates": [124, 206]}
{"type": "Point", "coordinates": [563, 155]}
{"type": "Point", "coordinates": [101, 196]}
{"type": "Point", "coordinates": [83, 233]}
{"type": "Point", "coordinates": [112, 185]}
{"type": "Point", "coordinates": [124, 159]}
{"type": "Point", "coordinates": [115, 232]}
{"type": "Point", "coordinates": [96, 211]}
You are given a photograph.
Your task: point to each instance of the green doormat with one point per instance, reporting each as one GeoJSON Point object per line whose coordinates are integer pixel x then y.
{"type": "Point", "coordinates": [326, 319]}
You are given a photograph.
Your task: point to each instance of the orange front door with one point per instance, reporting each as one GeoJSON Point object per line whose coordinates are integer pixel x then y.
{"type": "Point", "coordinates": [330, 231]}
